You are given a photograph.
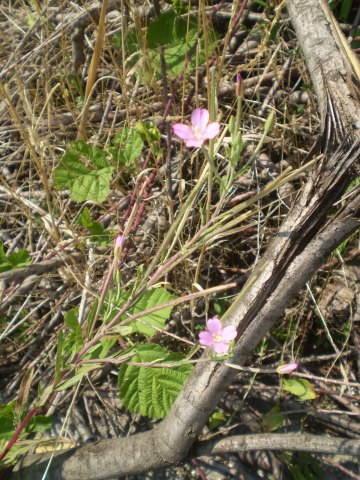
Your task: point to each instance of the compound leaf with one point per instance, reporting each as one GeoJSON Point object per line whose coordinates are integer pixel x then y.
{"type": "Point", "coordinates": [151, 390]}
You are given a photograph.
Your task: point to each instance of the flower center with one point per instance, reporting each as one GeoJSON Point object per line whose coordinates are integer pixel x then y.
{"type": "Point", "coordinates": [217, 338]}
{"type": "Point", "coordinates": [197, 133]}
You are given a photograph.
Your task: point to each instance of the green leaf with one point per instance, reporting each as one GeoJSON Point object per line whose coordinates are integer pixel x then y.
{"type": "Point", "coordinates": [86, 221]}
{"type": "Point", "coordinates": [150, 299]}
{"type": "Point", "coordinates": [128, 146]}
{"type": "Point", "coordinates": [220, 306]}
{"type": "Point", "coordinates": [73, 342]}
{"type": "Point", "coordinates": [85, 171]}
{"type": "Point", "coordinates": [300, 387]}
{"type": "Point", "coordinates": [116, 41]}
{"type": "Point", "coordinates": [132, 42]}
{"type": "Point", "coordinates": [79, 375]}
{"type": "Point", "coordinates": [273, 420]}
{"type": "Point", "coordinates": [15, 260]}
{"type": "Point", "coordinates": [161, 30]}
{"type": "Point", "coordinates": [39, 423]}
{"type": "Point", "coordinates": [19, 259]}
{"type": "Point", "coordinates": [345, 9]}
{"type": "Point", "coordinates": [148, 132]}
{"type": "Point", "coordinates": [24, 391]}
{"type": "Point", "coordinates": [91, 316]}
{"type": "Point", "coordinates": [270, 122]}
{"type": "Point", "coordinates": [261, 2]}
{"type": "Point", "coordinates": [101, 349]}
{"type": "Point", "coordinates": [122, 330]}
{"type": "Point", "coordinates": [59, 359]}
{"type": "Point", "coordinates": [43, 395]}
{"type": "Point", "coordinates": [96, 229]}
{"type": "Point", "coordinates": [216, 420]}
{"type": "Point", "coordinates": [274, 31]}
{"type": "Point", "coordinates": [179, 7]}
{"type": "Point", "coordinates": [178, 36]}
{"type": "Point", "coordinates": [7, 421]}
{"type": "Point", "coordinates": [306, 467]}
{"type": "Point", "coordinates": [150, 390]}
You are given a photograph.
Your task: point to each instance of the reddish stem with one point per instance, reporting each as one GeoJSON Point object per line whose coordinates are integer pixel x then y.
{"type": "Point", "coordinates": [31, 413]}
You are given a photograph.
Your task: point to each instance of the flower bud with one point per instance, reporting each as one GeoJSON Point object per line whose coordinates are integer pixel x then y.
{"type": "Point", "coordinates": [288, 368]}
{"type": "Point", "coordinates": [119, 242]}
{"type": "Point", "coordinates": [239, 86]}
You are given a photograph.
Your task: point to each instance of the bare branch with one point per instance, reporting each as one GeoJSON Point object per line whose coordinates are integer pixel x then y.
{"type": "Point", "coordinates": [278, 441]}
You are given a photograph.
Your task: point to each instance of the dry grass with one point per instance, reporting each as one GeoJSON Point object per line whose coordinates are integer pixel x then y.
{"type": "Point", "coordinates": [45, 105]}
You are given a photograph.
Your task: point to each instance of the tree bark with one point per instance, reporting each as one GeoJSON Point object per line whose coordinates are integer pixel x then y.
{"type": "Point", "coordinates": [332, 66]}
{"type": "Point", "coordinates": [293, 442]}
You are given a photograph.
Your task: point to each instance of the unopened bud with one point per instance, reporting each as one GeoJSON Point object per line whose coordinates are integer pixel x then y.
{"type": "Point", "coordinates": [239, 86]}
{"type": "Point", "coordinates": [288, 368]}
{"type": "Point", "coordinates": [119, 242]}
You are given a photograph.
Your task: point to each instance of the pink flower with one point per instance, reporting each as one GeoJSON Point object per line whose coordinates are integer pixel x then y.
{"type": "Point", "coordinates": [200, 129]}
{"type": "Point", "coordinates": [217, 337]}
{"type": "Point", "coordinates": [119, 242]}
{"type": "Point", "coordinates": [290, 367]}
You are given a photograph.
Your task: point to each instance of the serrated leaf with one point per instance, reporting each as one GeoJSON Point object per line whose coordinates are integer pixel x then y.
{"type": "Point", "coordinates": [85, 171]}
{"type": "Point", "coordinates": [273, 420]}
{"type": "Point", "coordinates": [15, 260]}
{"type": "Point", "coordinates": [152, 298]}
{"type": "Point", "coordinates": [127, 147]}
{"type": "Point", "coordinates": [150, 390]}
{"type": "Point", "coordinates": [300, 387]}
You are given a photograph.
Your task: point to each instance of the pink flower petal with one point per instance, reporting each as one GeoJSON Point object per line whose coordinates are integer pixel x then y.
{"type": "Point", "coordinates": [214, 326]}
{"type": "Point", "coordinates": [183, 131]}
{"type": "Point", "coordinates": [194, 142]}
{"type": "Point", "coordinates": [229, 333]}
{"type": "Point", "coordinates": [290, 367]}
{"type": "Point", "coordinates": [221, 347]}
{"type": "Point", "coordinates": [212, 130]}
{"type": "Point", "coordinates": [206, 338]}
{"type": "Point", "coordinates": [200, 119]}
